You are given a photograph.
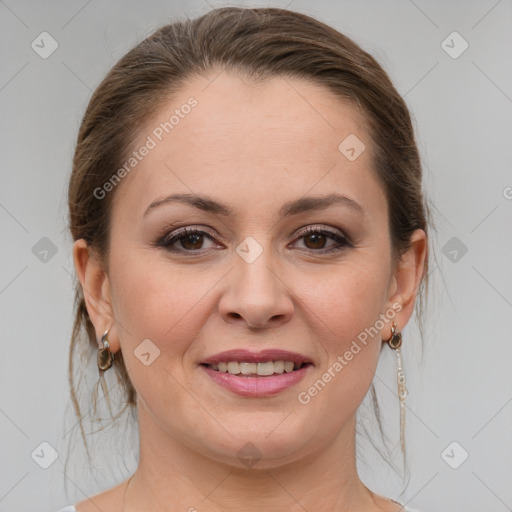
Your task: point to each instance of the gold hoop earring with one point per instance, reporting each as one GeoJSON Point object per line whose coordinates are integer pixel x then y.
{"type": "Point", "coordinates": [395, 342]}
{"type": "Point", "coordinates": [105, 357]}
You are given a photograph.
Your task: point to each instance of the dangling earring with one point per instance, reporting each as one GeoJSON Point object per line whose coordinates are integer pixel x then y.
{"type": "Point", "coordinates": [105, 357]}
{"type": "Point", "coordinates": [395, 342]}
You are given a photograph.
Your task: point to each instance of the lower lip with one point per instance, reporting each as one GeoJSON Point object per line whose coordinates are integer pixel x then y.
{"type": "Point", "coordinates": [257, 386]}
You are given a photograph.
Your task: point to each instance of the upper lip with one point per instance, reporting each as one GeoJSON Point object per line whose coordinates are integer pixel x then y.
{"type": "Point", "coordinates": [263, 356]}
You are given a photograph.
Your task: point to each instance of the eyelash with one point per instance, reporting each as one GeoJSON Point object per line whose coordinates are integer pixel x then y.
{"type": "Point", "coordinates": [170, 238]}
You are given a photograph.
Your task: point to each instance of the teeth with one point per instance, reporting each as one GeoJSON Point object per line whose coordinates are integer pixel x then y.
{"type": "Point", "coordinates": [248, 368]}
{"type": "Point", "coordinates": [233, 367]}
{"type": "Point", "coordinates": [263, 369]}
{"type": "Point", "coordinates": [278, 366]}
{"type": "Point", "coordinates": [288, 366]}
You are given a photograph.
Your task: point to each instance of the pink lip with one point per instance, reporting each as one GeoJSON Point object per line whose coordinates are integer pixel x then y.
{"type": "Point", "coordinates": [242, 355]}
{"type": "Point", "coordinates": [257, 386]}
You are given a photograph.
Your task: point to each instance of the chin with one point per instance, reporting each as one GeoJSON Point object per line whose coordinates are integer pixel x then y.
{"type": "Point", "coordinates": [264, 444]}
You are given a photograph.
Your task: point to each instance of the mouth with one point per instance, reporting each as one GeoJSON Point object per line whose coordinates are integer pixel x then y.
{"type": "Point", "coordinates": [263, 369]}
{"type": "Point", "coordinates": [258, 374]}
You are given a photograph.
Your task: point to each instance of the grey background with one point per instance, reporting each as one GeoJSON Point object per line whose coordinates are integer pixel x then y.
{"type": "Point", "coordinates": [462, 389]}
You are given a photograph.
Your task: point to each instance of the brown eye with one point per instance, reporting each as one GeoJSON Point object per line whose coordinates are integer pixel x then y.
{"type": "Point", "coordinates": [191, 242]}
{"type": "Point", "coordinates": [315, 241]}
{"type": "Point", "coordinates": [189, 239]}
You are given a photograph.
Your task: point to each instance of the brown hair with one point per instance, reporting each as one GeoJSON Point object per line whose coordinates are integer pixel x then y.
{"type": "Point", "coordinates": [261, 43]}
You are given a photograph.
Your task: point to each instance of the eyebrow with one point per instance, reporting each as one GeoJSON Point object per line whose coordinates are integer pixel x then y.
{"type": "Point", "coordinates": [304, 204]}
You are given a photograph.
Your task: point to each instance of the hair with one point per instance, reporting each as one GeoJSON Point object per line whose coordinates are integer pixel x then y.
{"type": "Point", "coordinates": [260, 43]}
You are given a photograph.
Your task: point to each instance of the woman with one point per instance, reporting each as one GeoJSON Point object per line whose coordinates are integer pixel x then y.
{"type": "Point", "coordinates": [250, 232]}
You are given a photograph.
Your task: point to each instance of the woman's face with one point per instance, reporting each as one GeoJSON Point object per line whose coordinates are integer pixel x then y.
{"type": "Point", "coordinates": [252, 163]}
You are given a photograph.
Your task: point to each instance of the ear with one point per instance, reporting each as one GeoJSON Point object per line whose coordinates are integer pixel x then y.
{"type": "Point", "coordinates": [405, 281]}
{"type": "Point", "coordinates": [96, 289]}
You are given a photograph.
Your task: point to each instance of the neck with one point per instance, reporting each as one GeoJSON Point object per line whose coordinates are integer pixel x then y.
{"type": "Point", "coordinates": [172, 476]}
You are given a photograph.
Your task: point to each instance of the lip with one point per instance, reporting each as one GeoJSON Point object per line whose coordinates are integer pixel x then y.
{"type": "Point", "coordinates": [257, 386]}
{"type": "Point", "coordinates": [246, 356]}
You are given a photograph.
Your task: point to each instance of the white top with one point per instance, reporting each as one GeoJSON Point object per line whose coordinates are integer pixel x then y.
{"type": "Point", "coordinates": [71, 508]}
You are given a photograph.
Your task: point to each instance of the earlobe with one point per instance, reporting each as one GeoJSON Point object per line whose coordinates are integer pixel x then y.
{"type": "Point", "coordinates": [96, 289]}
{"type": "Point", "coordinates": [407, 278]}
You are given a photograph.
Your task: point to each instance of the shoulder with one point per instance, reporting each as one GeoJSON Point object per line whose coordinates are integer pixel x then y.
{"type": "Point", "coordinates": [110, 500]}
{"type": "Point", "coordinates": [404, 508]}
{"type": "Point", "coordinates": [397, 506]}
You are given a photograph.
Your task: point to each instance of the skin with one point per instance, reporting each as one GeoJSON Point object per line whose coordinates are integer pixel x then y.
{"type": "Point", "coordinates": [252, 147]}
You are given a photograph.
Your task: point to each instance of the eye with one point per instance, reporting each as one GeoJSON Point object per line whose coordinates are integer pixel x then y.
{"type": "Point", "coordinates": [190, 239]}
{"type": "Point", "coordinates": [316, 237]}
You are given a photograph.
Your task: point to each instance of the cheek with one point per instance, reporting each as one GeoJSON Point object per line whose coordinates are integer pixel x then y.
{"type": "Point", "coordinates": [347, 307]}
{"type": "Point", "coordinates": [155, 299]}
{"type": "Point", "coordinates": [346, 299]}
{"type": "Point", "coordinates": [347, 311]}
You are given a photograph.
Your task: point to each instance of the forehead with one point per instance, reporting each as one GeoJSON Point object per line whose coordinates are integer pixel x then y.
{"type": "Point", "coordinates": [279, 113]}
{"type": "Point", "coordinates": [261, 141]}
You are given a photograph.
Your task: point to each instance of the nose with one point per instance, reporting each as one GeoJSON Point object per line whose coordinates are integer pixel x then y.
{"type": "Point", "coordinates": [256, 294]}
